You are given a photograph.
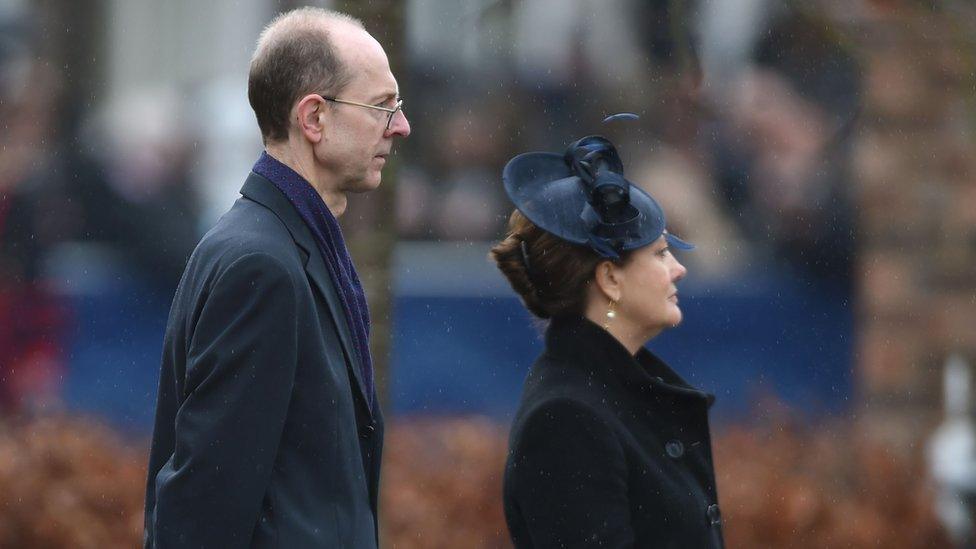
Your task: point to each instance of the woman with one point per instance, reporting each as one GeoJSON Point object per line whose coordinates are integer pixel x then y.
{"type": "Point", "coordinates": [609, 447]}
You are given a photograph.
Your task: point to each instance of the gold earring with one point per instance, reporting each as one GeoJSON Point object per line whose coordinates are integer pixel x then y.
{"type": "Point", "coordinates": [611, 314]}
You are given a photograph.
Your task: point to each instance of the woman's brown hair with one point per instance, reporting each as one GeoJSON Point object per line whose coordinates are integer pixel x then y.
{"type": "Point", "coordinates": [549, 274]}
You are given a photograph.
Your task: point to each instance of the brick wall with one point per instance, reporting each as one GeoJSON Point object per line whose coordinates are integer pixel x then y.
{"type": "Point", "coordinates": [915, 163]}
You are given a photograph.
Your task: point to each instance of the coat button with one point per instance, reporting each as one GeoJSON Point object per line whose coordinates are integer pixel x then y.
{"type": "Point", "coordinates": [368, 430]}
{"type": "Point", "coordinates": [714, 514]}
{"type": "Point", "coordinates": [675, 448]}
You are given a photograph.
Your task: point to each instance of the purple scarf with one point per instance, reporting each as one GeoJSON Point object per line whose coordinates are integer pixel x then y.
{"type": "Point", "coordinates": [328, 235]}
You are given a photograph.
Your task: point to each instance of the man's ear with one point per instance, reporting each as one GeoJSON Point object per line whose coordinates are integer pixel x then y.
{"type": "Point", "coordinates": [309, 113]}
{"type": "Point", "coordinates": [607, 278]}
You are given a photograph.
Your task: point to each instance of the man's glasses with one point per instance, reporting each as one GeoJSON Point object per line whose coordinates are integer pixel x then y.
{"type": "Point", "coordinates": [389, 121]}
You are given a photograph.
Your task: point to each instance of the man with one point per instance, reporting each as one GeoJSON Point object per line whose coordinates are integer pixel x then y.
{"type": "Point", "coordinates": [267, 429]}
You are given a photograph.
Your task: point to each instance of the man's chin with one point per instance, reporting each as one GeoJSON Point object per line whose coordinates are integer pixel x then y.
{"type": "Point", "coordinates": [367, 184]}
{"type": "Point", "coordinates": [374, 178]}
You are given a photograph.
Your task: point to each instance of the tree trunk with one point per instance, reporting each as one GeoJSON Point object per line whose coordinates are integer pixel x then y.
{"type": "Point", "coordinates": [369, 223]}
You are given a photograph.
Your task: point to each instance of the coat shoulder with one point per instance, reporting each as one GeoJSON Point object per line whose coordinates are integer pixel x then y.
{"type": "Point", "coordinates": [554, 380]}
{"type": "Point", "coordinates": [249, 228]}
{"type": "Point", "coordinates": [559, 390]}
{"type": "Point", "coordinates": [249, 237]}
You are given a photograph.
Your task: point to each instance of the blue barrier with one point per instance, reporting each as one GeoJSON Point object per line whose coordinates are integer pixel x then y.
{"type": "Point", "coordinates": [462, 343]}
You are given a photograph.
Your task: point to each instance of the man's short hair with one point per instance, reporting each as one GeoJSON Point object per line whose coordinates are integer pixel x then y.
{"type": "Point", "coordinates": [294, 56]}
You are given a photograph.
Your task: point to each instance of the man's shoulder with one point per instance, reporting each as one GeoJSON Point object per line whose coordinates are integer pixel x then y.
{"type": "Point", "coordinates": [248, 229]}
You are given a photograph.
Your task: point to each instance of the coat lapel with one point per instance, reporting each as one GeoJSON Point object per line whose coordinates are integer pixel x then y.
{"type": "Point", "coordinates": [264, 192]}
{"type": "Point", "coordinates": [319, 274]}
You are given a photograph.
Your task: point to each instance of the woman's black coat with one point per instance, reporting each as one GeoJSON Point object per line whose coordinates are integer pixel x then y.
{"type": "Point", "coordinates": [609, 450]}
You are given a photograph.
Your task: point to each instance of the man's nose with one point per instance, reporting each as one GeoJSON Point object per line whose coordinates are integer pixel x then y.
{"type": "Point", "coordinates": [400, 125]}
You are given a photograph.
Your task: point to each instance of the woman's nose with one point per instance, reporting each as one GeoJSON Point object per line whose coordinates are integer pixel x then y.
{"type": "Point", "coordinates": [679, 271]}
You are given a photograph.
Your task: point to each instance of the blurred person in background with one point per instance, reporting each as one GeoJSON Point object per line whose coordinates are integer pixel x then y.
{"type": "Point", "coordinates": [673, 168]}
{"type": "Point", "coordinates": [779, 150]}
{"type": "Point", "coordinates": [268, 432]}
{"type": "Point", "coordinates": [609, 446]}
{"type": "Point", "coordinates": [84, 215]}
{"type": "Point", "coordinates": [35, 216]}
{"type": "Point", "coordinates": [471, 203]}
{"type": "Point", "coordinates": [133, 183]}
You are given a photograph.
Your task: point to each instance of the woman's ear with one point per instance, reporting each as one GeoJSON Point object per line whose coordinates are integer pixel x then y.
{"type": "Point", "coordinates": [608, 280]}
{"type": "Point", "coordinates": [309, 114]}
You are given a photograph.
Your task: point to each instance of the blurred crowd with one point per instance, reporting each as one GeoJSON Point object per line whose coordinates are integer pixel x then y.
{"type": "Point", "coordinates": [745, 144]}
{"type": "Point", "coordinates": [747, 111]}
{"type": "Point", "coordinates": [86, 197]}
{"type": "Point", "coordinates": [747, 148]}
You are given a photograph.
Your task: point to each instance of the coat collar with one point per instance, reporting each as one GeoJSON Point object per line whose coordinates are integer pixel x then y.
{"type": "Point", "coordinates": [577, 340]}
{"type": "Point", "coordinates": [264, 192]}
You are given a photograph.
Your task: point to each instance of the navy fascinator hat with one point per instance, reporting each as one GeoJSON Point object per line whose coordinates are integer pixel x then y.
{"type": "Point", "coordinates": [582, 196]}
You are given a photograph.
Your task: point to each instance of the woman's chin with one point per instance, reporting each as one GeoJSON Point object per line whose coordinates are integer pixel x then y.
{"type": "Point", "coordinates": [676, 317]}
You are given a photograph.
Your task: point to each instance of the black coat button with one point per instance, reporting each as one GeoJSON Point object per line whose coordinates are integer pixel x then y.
{"type": "Point", "coordinates": [675, 448]}
{"type": "Point", "coordinates": [714, 514]}
{"type": "Point", "coordinates": [368, 430]}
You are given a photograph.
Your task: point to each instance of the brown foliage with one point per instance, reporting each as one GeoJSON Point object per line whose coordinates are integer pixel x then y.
{"type": "Point", "coordinates": [787, 486]}
{"type": "Point", "coordinates": [779, 486]}
{"type": "Point", "coordinates": [442, 484]}
{"type": "Point", "coordinates": [73, 483]}
{"type": "Point", "coordinates": [68, 483]}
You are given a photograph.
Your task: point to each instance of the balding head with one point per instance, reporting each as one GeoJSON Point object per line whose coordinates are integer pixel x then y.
{"type": "Point", "coordinates": [297, 54]}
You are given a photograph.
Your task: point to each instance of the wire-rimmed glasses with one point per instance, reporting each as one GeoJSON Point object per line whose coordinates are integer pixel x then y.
{"type": "Point", "coordinates": [389, 121]}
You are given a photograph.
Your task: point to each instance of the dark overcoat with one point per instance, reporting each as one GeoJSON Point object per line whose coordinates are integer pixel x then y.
{"type": "Point", "coordinates": [262, 435]}
{"type": "Point", "coordinates": [609, 450]}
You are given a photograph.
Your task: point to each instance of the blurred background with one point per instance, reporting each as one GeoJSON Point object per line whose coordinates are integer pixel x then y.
{"type": "Point", "coordinates": [819, 153]}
